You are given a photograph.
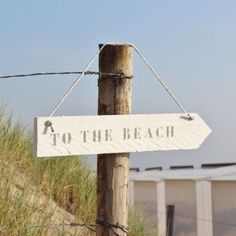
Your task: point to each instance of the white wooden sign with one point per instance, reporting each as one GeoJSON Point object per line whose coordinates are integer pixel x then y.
{"type": "Point", "coordinates": [84, 135]}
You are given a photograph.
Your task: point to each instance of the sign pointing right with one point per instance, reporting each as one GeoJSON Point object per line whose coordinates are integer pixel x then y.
{"type": "Point", "coordinates": [83, 135]}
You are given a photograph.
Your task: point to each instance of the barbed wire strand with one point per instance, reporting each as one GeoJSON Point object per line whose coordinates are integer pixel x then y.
{"type": "Point", "coordinates": [59, 73]}
{"type": "Point", "coordinates": [145, 61]}
{"type": "Point", "coordinates": [90, 227]}
{"type": "Point", "coordinates": [160, 212]}
{"type": "Point", "coordinates": [42, 74]}
{"type": "Point", "coordinates": [110, 226]}
{"type": "Point", "coordinates": [113, 226]}
{"type": "Point", "coordinates": [206, 220]}
{"type": "Point", "coordinates": [53, 226]}
{"type": "Point", "coordinates": [86, 72]}
{"type": "Point", "coordinates": [196, 218]}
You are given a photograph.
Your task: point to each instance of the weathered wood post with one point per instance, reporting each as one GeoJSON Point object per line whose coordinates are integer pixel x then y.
{"type": "Point", "coordinates": [170, 219]}
{"type": "Point", "coordinates": [112, 169]}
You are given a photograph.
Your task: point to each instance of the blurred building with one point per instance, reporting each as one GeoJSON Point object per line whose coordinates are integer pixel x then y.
{"type": "Point", "coordinates": [204, 199]}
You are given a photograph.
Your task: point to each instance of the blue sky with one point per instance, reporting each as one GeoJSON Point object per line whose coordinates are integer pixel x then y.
{"type": "Point", "coordinates": [190, 43]}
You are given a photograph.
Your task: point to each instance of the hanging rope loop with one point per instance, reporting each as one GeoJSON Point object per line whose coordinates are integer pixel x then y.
{"type": "Point", "coordinates": [103, 75]}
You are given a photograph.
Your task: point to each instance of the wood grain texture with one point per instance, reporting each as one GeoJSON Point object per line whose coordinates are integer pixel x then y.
{"type": "Point", "coordinates": [117, 133]}
{"type": "Point", "coordinates": [114, 97]}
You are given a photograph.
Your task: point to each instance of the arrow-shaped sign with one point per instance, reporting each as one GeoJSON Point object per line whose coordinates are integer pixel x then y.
{"type": "Point", "coordinates": [83, 135]}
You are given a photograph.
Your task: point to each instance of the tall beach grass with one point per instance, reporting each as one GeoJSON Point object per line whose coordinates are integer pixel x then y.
{"type": "Point", "coordinates": [66, 180]}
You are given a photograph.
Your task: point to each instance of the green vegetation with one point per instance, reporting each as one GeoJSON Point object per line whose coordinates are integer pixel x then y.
{"type": "Point", "coordinates": [65, 180]}
{"type": "Point", "coordinates": [138, 224]}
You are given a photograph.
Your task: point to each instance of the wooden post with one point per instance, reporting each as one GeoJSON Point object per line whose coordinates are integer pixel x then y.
{"type": "Point", "coordinates": [170, 219]}
{"type": "Point", "coordinates": [112, 169]}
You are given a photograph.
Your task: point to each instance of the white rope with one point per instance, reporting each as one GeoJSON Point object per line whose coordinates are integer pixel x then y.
{"type": "Point", "coordinates": [75, 83]}
{"type": "Point", "coordinates": [144, 60]}
{"type": "Point", "coordinates": [160, 80]}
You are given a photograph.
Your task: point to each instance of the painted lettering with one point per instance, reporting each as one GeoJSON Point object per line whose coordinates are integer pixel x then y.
{"type": "Point", "coordinates": [148, 133]}
{"type": "Point", "coordinates": [66, 138]}
{"type": "Point", "coordinates": [54, 139]}
{"type": "Point", "coordinates": [108, 136]}
{"type": "Point", "coordinates": [170, 131]}
{"type": "Point", "coordinates": [97, 135]}
{"type": "Point", "coordinates": [126, 133]}
{"type": "Point", "coordinates": [137, 134]}
{"type": "Point", "coordinates": [84, 134]}
{"type": "Point", "coordinates": [159, 132]}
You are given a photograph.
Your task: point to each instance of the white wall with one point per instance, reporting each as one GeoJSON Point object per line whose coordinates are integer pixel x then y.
{"type": "Point", "coordinates": [182, 194]}
{"type": "Point", "coordinates": [224, 207]}
{"type": "Point", "coordinates": [145, 196]}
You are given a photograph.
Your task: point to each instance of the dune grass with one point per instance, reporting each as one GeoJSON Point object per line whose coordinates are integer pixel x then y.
{"type": "Point", "coordinates": [65, 180]}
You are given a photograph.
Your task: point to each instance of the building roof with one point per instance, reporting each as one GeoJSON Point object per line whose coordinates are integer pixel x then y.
{"type": "Point", "coordinates": [213, 174]}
